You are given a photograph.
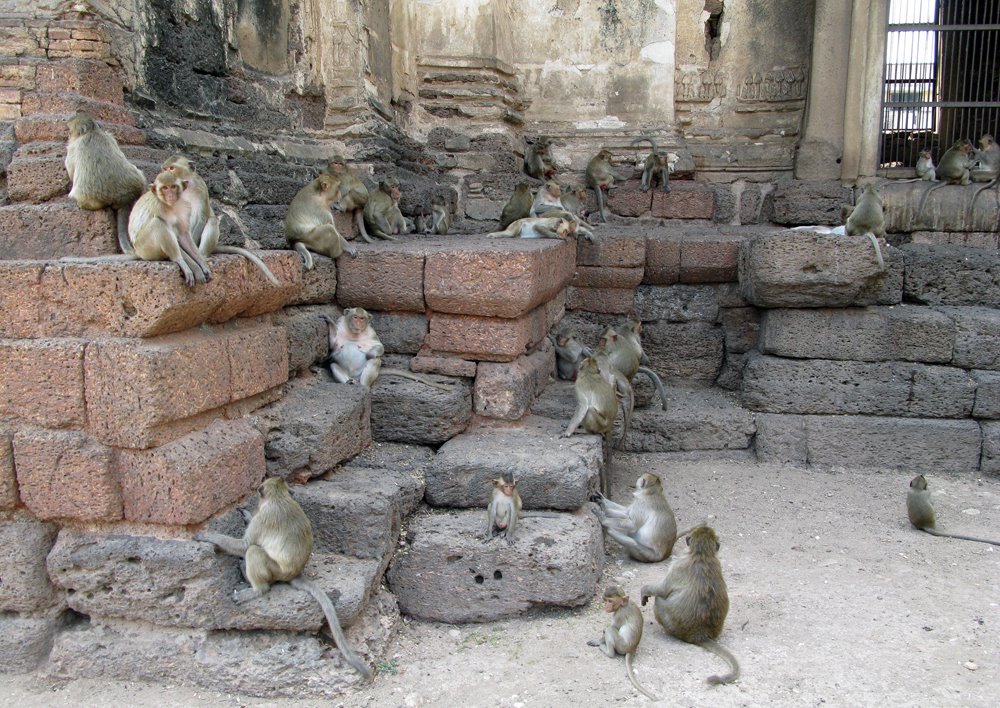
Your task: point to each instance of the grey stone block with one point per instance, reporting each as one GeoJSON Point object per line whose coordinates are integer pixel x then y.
{"type": "Point", "coordinates": [180, 583]}
{"type": "Point", "coordinates": [951, 275]}
{"type": "Point", "coordinates": [8, 478]}
{"type": "Point", "coordinates": [810, 269]}
{"type": "Point", "coordinates": [397, 457]}
{"type": "Point", "coordinates": [990, 462]}
{"type": "Point", "coordinates": [676, 303]}
{"type": "Point", "coordinates": [552, 472]}
{"type": "Point", "coordinates": [25, 642]}
{"type": "Point", "coordinates": [307, 333]}
{"type": "Point", "coordinates": [412, 412]}
{"type": "Point", "coordinates": [400, 332]}
{"type": "Point", "coordinates": [809, 202]}
{"type": "Point", "coordinates": [740, 328]}
{"type": "Point", "coordinates": [820, 386]}
{"type": "Point", "coordinates": [947, 209]}
{"type": "Point", "coordinates": [688, 350]}
{"type": "Point", "coordinates": [315, 426]}
{"type": "Point", "coordinates": [731, 375]}
{"type": "Point", "coordinates": [506, 391]}
{"type": "Point", "coordinates": [552, 563]}
{"type": "Point", "coordinates": [870, 442]}
{"type": "Point", "coordinates": [977, 336]}
{"type": "Point", "coordinates": [902, 332]}
{"type": "Point", "coordinates": [987, 394]}
{"type": "Point", "coordinates": [24, 580]}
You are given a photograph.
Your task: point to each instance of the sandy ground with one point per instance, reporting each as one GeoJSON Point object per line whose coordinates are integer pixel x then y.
{"type": "Point", "coordinates": [834, 600]}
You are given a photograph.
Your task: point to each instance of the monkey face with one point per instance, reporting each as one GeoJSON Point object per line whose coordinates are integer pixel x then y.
{"type": "Point", "coordinates": [357, 319]}
{"type": "Point", "coordinates": [168, 193]}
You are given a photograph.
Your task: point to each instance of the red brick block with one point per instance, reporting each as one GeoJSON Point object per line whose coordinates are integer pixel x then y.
{"type": "Point", "coordinates": [386, 277]}
{"type": "Point", "coordinates": [710, 259]}
{"type": "Point", "coordinates": [70, 103]}
{"type": "Point", "coordinates": [612, 301]}
{"type": "Point", "coordinates": [41, 382]}
{"type": "Point", "coordinates": [56, 229]}
{"type": "Point", "coordinates": [684, 201]}
{"type": "Point", "coordinates": [67, 475]}
{"type": "Point", "coordinates": [601, 277]}
{"type": "Point", "coordinates": [53, 128]}
{"type": "Point", "coordinates": [79, 48]}
{"type": "Point", "coordinates": [190, 479]}
{"type": "Point", "coordinates": [497, 277]}
{"type": "Point", "coordinates": [629, 199]}
{"type": "Point", "coordinates": [89, 78]}
{"type": "Point", "coordinates": [142, 393]}
{"type": "Point", "coordinates": [8, 480]}
{"type": "Point", "coordinates": [487, 338]}
{"type": "Point", "coordinates": [663, 260]}
{"type": "Point", "coordinates": [36, 179]}
{"type": "Point", "coordinates": [612, 250]}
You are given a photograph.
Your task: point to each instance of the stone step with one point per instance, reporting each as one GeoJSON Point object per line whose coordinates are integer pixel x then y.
{"type": "Point", "coordinates": [552, 472]}
{"type": "Point", "coordinates": [55, 229]}
{"type": "Point", "coordinates": [553, 562]}
{"type": "Point", "coordinates": [698, 417]}
{"type": "Point", "coordinates": [408, 411]}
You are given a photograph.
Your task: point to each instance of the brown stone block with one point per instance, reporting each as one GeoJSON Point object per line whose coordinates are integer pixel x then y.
{"type": "Point", "coordinates": [426, 362]}
{"type": "Point", "coordinates": [18, 75]}
{"type": "Point", "coordinates": [612, 250]}
{"type": "Point", "coordinates": [8, 480]}
{"type": "Point", "coordinates": [506, 391]}
{"type": "Point", "coordinates": [67, 475]}
{"type": "Point", "coordinates": [381, 279]}
{"type": "Point", "coordinates": [319, 285]}
{"type": "Point", "coordinates": [10, 111]}
{"type": "Point", "coordinates": [628, 200]}
{"type": "Point", "coordinates": [36, 179]}
{"type": "Point", "coordinates": [617, 301]}
{"type": "Point", "coordinates": [663, 260]}
{"type": "Point", "coordinates": [497, 277]}
{"type": "Point", "coordinates": [70, 48]}
{"type": "Point", "coordinates": [186, 481]}
{"type": "Point", "coordinates": [487, 338]}
{"type": "Point", "coordinates": [53, 128]}
{"type": "Point", "coordinates": [145, 392]}
{"type": "Point", "coordinates": [20, 42]}
{"type": "Point", "coordinates": [249, 292]}
{"type": "Point", "coordinates": [56, 229]}
{"type": "Point", "coordinates": [70, 103]}
{"type": "Point", "coordinates": [41, 382]}
{"type": "Point", "coordinates": [600, 277]}
{"type": "Point", "coordinates": [684, 201]}
{"type": "Point", "coordinates": [345, 225]}
{"type": "Point", "coordinates": [710, 260]}
{"type": "Point", "coordinates": [10, 95]}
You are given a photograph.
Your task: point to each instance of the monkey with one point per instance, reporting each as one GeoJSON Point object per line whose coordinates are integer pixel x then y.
{"type": "Point", "coordinates": [596, 408]}
{"type": "Point", "coordinates": [954, 168]}
{"type": "Point", "coordinates": [692, 601]}
{"type": "Point", "coordinates": [623, 390]}
{"type": "Point", "coordinates": [656, 167]}
{"type": "Point", "coordinates": [356, 351]}
{"type": "Point", "coordinates": [866, 218]}
{"type": "Point", "coordinates": [100, 174]}
{"type": "Point", "coordinates": [420, 225]}
{"type": "Point", "coordinates": [504, 509]}
{"type": "Point", "coordinates": [623, 634]}
{"type": "Point", "coordinates": [518, 206]}
{"type": "Point", "coordinates": [925, 170]}
{"type": "Point", "coordinates": [159, 228]}
{"type": "Point", "coordinates": [582, 227]}
{"type": "Point", "coordinates": [353, 195]}
{"type": "Point", "coordinates": [382, 215]}
{"type": "Point", "coordinates": [309, 223]}
{"type": "Point", "coordinates": [440, 219]}
{"type": "Point", "coordinates": [569, 354]}
{"type": "Point", "coordinates": [601, 178]}
{"type": "Point", "coordinates": [275, 547]}
{"type": "Point", "coordinates": [987, 169]}
{"type": "Point", "coordinates": [921, 512]}
{"type": "Point", "coordinates": [538, 227]}
{"type": "Point", "coordinates": [538, 160]}
{"type": "Point", "coordinates": [574, 200]}
{"type": "Point", "coordinates": [623, 345]}
{"type": "Point", "coordinates": [204, 222]}
{"type": "Point", "coordinates": [646, 528]}
{"type": "Point", "coordinates": [547, 199]}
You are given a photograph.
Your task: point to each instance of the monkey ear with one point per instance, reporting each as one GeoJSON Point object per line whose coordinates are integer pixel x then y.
{"type": "Point", "coordinates": [184, 184]}
{"type": "Point", "coordinates": [687, 540]}
{"type": "Point", "coordinates": [152, 187]}
{"type": "Point", "coordinates": [717, 545]}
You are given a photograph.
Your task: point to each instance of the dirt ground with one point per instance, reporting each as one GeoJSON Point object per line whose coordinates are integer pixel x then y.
{"type": "Point", "coordinates": [834, 599]}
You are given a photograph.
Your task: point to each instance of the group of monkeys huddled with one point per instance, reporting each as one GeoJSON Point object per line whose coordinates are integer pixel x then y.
{"type": "Point", "coordinates": [962, 164]}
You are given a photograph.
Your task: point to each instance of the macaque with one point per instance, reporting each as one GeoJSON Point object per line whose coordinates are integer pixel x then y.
{"type": "Point", "coordinates": [866, 218]}
{"type": "Point", "coordinates": [692, 601]}
{"type": "Point", "coordinates": [382, 215]}
{"type": "Point", "coordinates": [540, 227]}
{"type": "Point", "coordinates": [623, 634]}
{"type": "Point", "coordinates": [574, 200]}
{"type": "Point", "coordinates": [440, 219]}
{"type": "Point", "coordinates": [623, 390]}
{"type": "Point", "coordinates": [100, 174]}
{"type": "Point", "coordinates": [987, 168]}
{"type": "Point", "coordinates": [275, 547]}
{"type": "Point", "coordinates": [159, 229]}
{"type": "Point", "coordinates": [624, 348]}
{"type": "Point", "coordinates": [656, 167]}
{"type": "Point", "coordinates": [569, 354]}
{"type": "Point", "coordinates": [204, 222]}
{"type": "Point", "coordinates": [547, 199]}
{"type": "Point", "coordinates": [353, 194]}
{"type": "Point", "coordinates": [309, 224]}
{"type": "Point", "coordinates": [925, 167]}
{"type": "Point", "coordinates": [954, 168]}
{"type": "Point", "coordinates": [538, 160]}
{"type": "Point", "coordinates": [518, 206]}
{"type": "Point", "coordinates": [646, 528]}
{"type": "Point", "coordinates": [582, 228]}
{"type": "Point", "coordinates": [921, 512]}
{"type": "Point", "coordinates": [356, 351]}
{"type": "Point", "coordinates": [601, 178]}
{"type": "Point", "coordinates": [596, 408]}
{"type": "Point", "coordinates": [504, 509]}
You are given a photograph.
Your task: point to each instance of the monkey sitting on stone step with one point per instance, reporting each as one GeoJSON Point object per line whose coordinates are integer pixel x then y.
{"type": "Point", "coordinates": [866, 218]}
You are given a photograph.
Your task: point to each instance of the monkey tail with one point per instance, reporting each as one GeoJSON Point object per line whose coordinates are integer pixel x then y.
{"type": "Point", "coordinates": [253, 258]}
{"type": "Point", "coordinates": [331, 619]}
{"type": "Point", "coordinates": [878, 250]}
{"type": "Point", "coordinates": [722, 652]}
{"type": "Point", "coordinates": [648, 139]}
{"type": "Point", "coordinates": [923, 200]}
{"type": "Point", "coordinates": [124, 242]}
{"type": "Point", "coordinates": [980, 191]}
{"type": "Point", "coordinates": [415, 377]}
{"type": "Point", "coordinates": [359, 219]}
{"type": "Point", "coordinates": [656, 382]}
{"type": "Point", "coordinates": [635, 682]}
{"type": "Point", "coordinates": [941, 534]}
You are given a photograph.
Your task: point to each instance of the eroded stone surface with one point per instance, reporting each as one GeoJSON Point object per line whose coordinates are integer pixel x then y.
{"type": "Point", "coordinates": [951, 275]}
{"type": "Point", "coordinates": [24, 582]}
{"type": "Point", "coordinates": [413, 412]}
{"type": "Point", "coordinates": [25, 642]}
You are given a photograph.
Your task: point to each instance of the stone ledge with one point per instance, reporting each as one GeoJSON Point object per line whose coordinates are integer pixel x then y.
{"type": "Point", "coordinates": [26, 230]}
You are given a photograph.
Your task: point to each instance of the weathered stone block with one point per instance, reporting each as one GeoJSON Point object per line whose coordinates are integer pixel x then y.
{"type": "Point", "coordinates": [27, 231]}
{"type": "Point", "coordinates": [182, 583]}
{"type": "Point", "coordinates": [400, 332]}
{"type": "Point", "coordinates": [487, 338]}
{"type": "Point", "coordinates": [552, 472]}
{"type": "Point", "coordinates": [740, 328]}
{"type": "Point", "coordinates": [987, 394]}
{"type": "Point", "coordinates": [820, 386]}
{"type": "Point", "coordinates": [628, 199]}
{"type": "Point", "coordinates": [316, 425]}
{"type": "Point", "coordinates": [506, 278]}
{"type": "Point", "coordinates": [140, 393]}
{"type": "Point", "coordinates": [689, 350]}
{"type": "Point", "coordinates": [676, 303]}
{"type": "Point", "coordinates": [49, 128]}
{"type": "Point", "coordinates": [36, 179]}
{"type": "Point", "coordinates": [951, 275]}
{"type": "Point", "coordinates": [382, 277]}
{"type": "Point", "coordinates": [67, 475]}
{"type": "Point", "coordinates": [427, 363]}
{"type": "Point", "coordinates": [193, 477]}
{"type": "Point", "coordinates": [319, 285]}
{"type": "Point", "coordinates": [412, 412]}
{"type": "Point", "coordinates": [25, 642]}
{"type": "Point", "coordinates": [810, 269]}
{"type": "Point", "coordinates": [307, 334]}
{"type": "Point", "coordinates": [89, 78]}
{"type": "Point", "coordinates": [902, 332]}
{"type": "Point", "coordinates": [409, 460]}
{"type": "Point", "coordinates": [618, 301]}
{"type": "Point", "coordinates": [684, 201]}
{"type": "Point", "coordinates": [990, 463]}
{"type": "Point", "coordinates": [24, 582]}
{"type": "Point", "coordinates": [8, 480]}
{"type": "Point", "coordinates": [977, 336]}
{"type": "Point", "coordinates": [42, 382]}
{"type": "Point", "coordinates": [507, 391]}
{"type": "Point", "coordinates": [946, 210]}
{"type": "Point", "coordinates": [663, 259]}
{"type": "Point", "coordinates": [616, 247]}
{"type": "Point", "coordinates": [870, 442]}
{"type": "Point", "coordinates": [606, 277]}
{"type": "Point", "coordinates": [446, 557]}
{"type": "Point", "coordinates": [804, 202]}
{"type": "Point", "coordinates": [709, 259]}
{"type": "Point", "coordinates": [69, 103]}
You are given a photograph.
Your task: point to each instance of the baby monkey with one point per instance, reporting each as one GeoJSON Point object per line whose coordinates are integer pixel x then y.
{"type": "Point", "coordinates": [921, 512]}
{"type": "Point", "coordinates": [504, 509]}
{"type": "Point", "coordinates": [623, 634]}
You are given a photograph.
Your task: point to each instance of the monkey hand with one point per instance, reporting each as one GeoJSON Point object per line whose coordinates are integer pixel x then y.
{"type": "Point", "coordinates": [642, 600]}
{"type": "Point", "coordinates": [351, 251]}
{"type": "Point", "coordinates": [594, 643]}
{"type": "Point", "coordinates": [245, 595]}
